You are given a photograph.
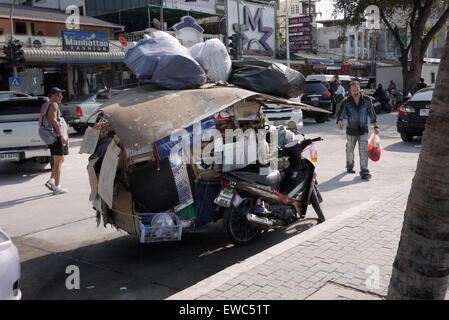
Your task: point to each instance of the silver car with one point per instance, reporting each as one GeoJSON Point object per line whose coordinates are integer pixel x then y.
{"type": "Point", "coordinates": [9, 269]}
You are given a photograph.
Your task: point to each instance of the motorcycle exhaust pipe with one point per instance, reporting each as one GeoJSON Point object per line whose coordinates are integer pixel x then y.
{"type": "Point", "coordinates": [259, 220]}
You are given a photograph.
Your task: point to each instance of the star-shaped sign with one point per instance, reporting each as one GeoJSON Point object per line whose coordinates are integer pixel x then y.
{"type": "Point", "coordinates": [256, 24]}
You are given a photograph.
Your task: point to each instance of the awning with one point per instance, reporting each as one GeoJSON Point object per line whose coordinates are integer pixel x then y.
{"type": "Point", "coordinates": [60, 56]}
{"type": "Point", "coordinates": [312, 58]}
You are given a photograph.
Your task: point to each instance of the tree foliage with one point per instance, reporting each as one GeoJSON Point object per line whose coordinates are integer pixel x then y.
{"type": "Point", "coordinates": [396, 14]}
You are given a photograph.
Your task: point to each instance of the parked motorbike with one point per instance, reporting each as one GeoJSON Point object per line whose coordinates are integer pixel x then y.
{"type": "Point", "coordinates": [254, 203]}
{"type": "Point", "coordinates": [381, 105]}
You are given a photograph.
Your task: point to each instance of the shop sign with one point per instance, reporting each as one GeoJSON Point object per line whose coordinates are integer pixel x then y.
{"type": "Point", "coordinates": [85, 41]}
{"type": "Point", "coordinates": [257, 25]}
{"type": "Point", "coordinates": [300, 20]}
{"type": "Point", "coordinates": [300, 47]}
{"type": "Point", "coordinates": [188, 22]}
{"type": "Point", "coordinates": [307, 68]}
{"type": "Point", "coordinates": [300, 38]}
{"type": "Point", "coordinates": [346, 68]}
{"type": "Point", "coordinates": [304, 29]}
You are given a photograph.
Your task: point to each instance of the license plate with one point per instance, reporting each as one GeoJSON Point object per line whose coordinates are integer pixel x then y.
{"type": "Point", "coordinates": [315, 99]}
{"type": "Point", "coordinates": [424, 112]}
{"type": "Point", "coordinates": [9, 157]}
{"type": "Point", "coordinates": [225, 197]}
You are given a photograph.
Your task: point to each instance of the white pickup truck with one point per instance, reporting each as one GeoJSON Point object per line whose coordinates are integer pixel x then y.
{"type": "Point", "coordinates": [19, 131]}
{"type": "Point", "coordinates": [77, 113]}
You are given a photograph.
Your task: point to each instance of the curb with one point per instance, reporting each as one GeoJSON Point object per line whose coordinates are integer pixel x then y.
{"type": "Point", "coordinates": [209, 284]}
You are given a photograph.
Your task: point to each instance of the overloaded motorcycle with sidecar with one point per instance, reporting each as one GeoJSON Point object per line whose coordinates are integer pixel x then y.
{"type": "Point", "coordinates": [163, 161]}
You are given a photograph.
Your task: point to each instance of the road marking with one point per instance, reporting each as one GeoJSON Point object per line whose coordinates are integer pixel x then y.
{"type": "Point", "coordinates": [209, 284]}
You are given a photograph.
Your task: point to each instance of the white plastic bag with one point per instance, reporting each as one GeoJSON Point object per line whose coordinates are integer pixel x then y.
{"type": "Point", "coordinates": [214, 58]}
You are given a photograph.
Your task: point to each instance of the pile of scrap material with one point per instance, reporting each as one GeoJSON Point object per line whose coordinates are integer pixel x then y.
{"type": "Point", "coordinates": [138, 168]}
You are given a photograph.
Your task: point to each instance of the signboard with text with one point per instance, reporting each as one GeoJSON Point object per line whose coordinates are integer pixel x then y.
{"type": "Point", "coordinates": [295, 38]}
{"type": "Point", "coordinates": [257, 26]}
{"type": "Point", "coordinates": [85, 41]}
{"type": "Point", "coordinates": [300, 30]}
{"type": "Point", "coordinates": [300, 47]}
{"type": "Point", "coordinates": [299, 20]}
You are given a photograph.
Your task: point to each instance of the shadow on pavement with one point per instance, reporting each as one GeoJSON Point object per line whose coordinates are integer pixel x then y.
{"type": "Point", "coordinates": [12, 203]}
{"type": "Point", "coordinates": [335, 182]}
{"type": "Point", "coordinates": [122, 269]}
{"type": "Point", "coordinates": [410, 147]}
{"type": "Point", "coordinates": [28, 170]}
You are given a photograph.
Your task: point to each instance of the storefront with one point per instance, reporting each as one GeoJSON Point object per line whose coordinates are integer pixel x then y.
{"type": "Point", "coordinates": [72, 68]}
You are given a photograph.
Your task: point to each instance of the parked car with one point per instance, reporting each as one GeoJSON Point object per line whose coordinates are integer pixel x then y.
{"type": "Point", "coordinates": [317, 95]}
{"type": "Point", "coordinates": [283, 115]}
{"type": "Point", "coordinates": [344, 79]}
{"type": "Point", "coordinates": [412, 115]}
{"type": "Point", "coordinates": [6, 95]}
{"type": "Point", "coordinates": [9, 269]}
{"type": "Point", "coordinates": [77, 114]}
{"type": "Point", "coordinates": [19, 131]}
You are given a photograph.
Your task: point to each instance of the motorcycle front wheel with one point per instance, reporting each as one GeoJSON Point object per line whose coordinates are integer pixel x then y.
{"type": "Point", "coordinates": [236, 225]}
{"type": "Point", "coordinates": [316, 205]}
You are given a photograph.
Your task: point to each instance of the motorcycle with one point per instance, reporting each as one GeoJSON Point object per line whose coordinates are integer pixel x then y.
{"type": "Point", "coordinates": [381, 105]}
{"type": "Point", "coordinates": [142, 183]}
{"type": "Point", "coordinates": [254, 203]}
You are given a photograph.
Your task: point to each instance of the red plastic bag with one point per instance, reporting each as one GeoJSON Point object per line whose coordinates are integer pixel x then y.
{"type": "Point", "coordinates": [374, 149]}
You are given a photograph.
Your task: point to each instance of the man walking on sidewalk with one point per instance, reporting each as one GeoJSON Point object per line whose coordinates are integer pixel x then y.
{"type": "Point", "coordinates": [50, 117]}
{"type": "Point", "coordinates": [357, 108]}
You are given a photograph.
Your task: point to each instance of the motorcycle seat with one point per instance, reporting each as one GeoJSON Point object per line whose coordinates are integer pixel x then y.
{"type": "Point", "coordinates": [273, 179]}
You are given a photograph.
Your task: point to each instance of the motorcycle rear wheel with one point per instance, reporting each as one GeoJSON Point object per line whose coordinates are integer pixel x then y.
{"type": "Point", "coordinates": [316, 205]}
{"type": "Point", "coordinates": [236, 225]}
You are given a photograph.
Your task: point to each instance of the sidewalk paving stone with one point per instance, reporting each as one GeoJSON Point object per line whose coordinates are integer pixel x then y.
{"type": "Point", "coordinates": [337, 263]}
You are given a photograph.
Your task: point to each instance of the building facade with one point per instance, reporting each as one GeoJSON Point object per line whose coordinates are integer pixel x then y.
{"type": "Point", "coordinates": [80, 60]}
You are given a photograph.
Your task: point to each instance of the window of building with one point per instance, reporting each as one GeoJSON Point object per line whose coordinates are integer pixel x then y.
{"type": "Point", "coordinates": [292, 9]}
{"type": "Point", "coordinates": [1, 31]}
{"type": "Point", "coordinates": [432, 77]}
{"type": "Point", "coordinates": [305, 8]}
{"type": "Point", "coordinates": [21, 28]}
{"type": "Point", "coordinates": [297, 9]}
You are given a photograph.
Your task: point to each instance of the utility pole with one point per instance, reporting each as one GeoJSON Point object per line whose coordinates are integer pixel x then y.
{"type": "Point", "coordinates": [14, 67]}
{"type": "Point", "coordinates": [287, 40]}
{"type": "Point", "coordinates": [277, 38]}
{"type": "Point", "coordinates": [373, 58]}
{"type": "Point", "coordinates": [162, 15]}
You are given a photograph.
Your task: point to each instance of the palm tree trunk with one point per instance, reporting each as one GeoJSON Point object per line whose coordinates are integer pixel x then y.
{"type": "Point", "coordinates": [421, 267]}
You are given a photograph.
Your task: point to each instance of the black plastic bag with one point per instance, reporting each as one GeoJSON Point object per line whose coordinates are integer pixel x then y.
{"type": "Point", "coordinates": [267, 77]}
{"type": "Point", "coordinates": [164, 61]}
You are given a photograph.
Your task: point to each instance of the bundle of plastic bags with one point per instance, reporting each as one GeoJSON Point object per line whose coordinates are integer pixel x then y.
{"type": "Point", "coordinates": [214, 58]}
{"type": "Point", "coordinates": [162, 60]}
{"type": "Point", "coordinates": [374, 149]}
{"type": "Point", "coordinates": [267, 77]}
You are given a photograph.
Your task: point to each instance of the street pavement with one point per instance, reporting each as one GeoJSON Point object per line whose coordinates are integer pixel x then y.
{"type": "Point", "coordinates": [341, 258]}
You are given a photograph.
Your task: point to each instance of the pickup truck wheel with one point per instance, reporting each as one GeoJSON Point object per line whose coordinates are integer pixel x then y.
{"type": "Point", "coordinates": [51, 161]}
{"type": "Point", "coordinates": [321, 119]}
{"type": "Point", "coordinates": [66, 149]}
{"type": "Point", "coordinates": [79, 128]}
